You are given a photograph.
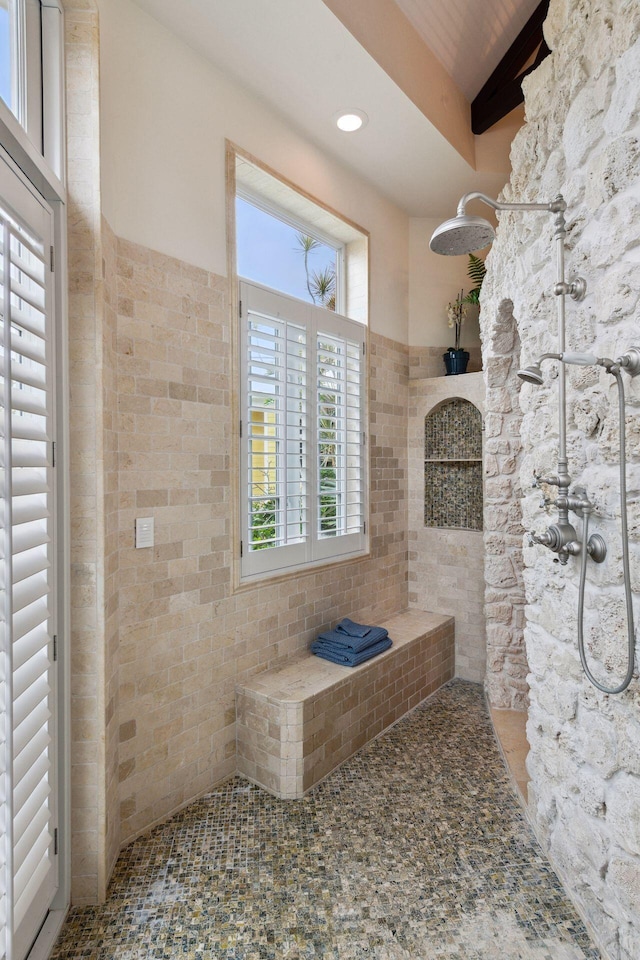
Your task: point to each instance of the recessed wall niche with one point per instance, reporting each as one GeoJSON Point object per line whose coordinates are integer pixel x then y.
{"type": "Point", "coordinates": [453, 465]}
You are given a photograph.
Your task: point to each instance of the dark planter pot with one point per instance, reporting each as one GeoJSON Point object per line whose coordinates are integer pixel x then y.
{"type": "Point", "coordinates": [455, 361]}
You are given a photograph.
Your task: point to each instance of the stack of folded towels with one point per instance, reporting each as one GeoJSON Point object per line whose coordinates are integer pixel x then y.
{"type": "Point", "coordinates": [351, 643]}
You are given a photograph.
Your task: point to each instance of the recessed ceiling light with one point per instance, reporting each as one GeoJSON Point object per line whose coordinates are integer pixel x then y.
{"type": "Point", "coordinates": [351, 120]}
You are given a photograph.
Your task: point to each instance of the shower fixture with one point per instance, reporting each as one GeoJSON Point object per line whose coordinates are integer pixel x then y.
{"type": "Point", "coordinates": [464, 234]}
{"type": "Point", "coordinates": [562, 537]}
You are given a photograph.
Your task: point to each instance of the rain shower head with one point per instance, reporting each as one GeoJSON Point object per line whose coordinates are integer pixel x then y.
{"type": "Point", "coordinates": [462, 234]}
{"type": "Point", "coordinates": [532, 374]}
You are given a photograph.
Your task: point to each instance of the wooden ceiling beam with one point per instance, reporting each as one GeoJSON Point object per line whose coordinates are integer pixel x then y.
{"type": "Point", "coordinates": [503, 90]}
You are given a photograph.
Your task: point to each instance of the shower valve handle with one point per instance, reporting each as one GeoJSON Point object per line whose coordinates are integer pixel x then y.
{"type": "Point", "coordinates": [550, 481]}
{"type": "Point", "coordinates": [542, 538]}
{"type": "Point", "coordinates": [558, 537]}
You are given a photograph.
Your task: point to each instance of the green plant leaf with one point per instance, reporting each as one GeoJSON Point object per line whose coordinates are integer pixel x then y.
{"type": "Point", "coordinates": [476, 271]}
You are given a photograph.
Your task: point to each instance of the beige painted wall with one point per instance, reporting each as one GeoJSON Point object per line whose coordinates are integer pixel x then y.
{"type": "Point", "coordinates": [165, 115]}
{"type": "Point", "coordinates": [433, 282]}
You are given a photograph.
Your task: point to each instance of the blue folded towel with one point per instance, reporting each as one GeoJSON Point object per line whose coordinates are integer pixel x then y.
{"type": "Point", "coordinates": [338, 653]}
{"type": "Point", "coordinates": [352, 629]}
{"type": "Point", "coordinates": [354, 644]}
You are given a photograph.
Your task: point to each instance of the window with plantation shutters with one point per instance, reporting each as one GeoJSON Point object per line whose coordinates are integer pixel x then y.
{"type": "Point", "coordinates": [303, 462]}
{"type": "Point", "coordinates": [27, 610]}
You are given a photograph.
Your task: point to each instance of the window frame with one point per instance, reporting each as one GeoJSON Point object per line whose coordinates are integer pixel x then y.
{"type": "Point", "coordinates": [299, 223]}
{"type": "Point", "coordinates": [26, 37]}
{"type": "Point", "coordinates": [34, 129]}
{"type": "Point", "coordinates": [313, 550]}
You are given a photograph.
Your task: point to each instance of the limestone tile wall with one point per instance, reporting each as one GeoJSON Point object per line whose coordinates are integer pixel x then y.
{"type": "Point", "coordinates": [581, 139]}
{"type": "Point", "coordinates": [91, 456]}
{"type": "Point", "coordinates": [185, 637]}
{"type": "Point", "coordinates": [111, 585]}
{"type": "Point", "coordinates": [176, 724]}
{"type": "Point", "coordinates": [445, 566]}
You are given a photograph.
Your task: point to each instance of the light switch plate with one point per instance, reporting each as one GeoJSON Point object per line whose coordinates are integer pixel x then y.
{"type": "Point", "coordinates": [144, 532]}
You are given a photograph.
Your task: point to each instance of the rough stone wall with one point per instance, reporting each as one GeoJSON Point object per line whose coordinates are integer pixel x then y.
{"type": "Point", "coordinates": [505, 681]}
{"type": "Point", "coordinates": [581, 138]}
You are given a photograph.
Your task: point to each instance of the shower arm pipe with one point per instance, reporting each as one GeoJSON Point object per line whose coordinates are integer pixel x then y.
{"type": "Point", "coordinates": [564, 479]}
{"type": "Point", "coordinates": [576, 290]}
{"type": "Point", "coordinates": [553, 206]}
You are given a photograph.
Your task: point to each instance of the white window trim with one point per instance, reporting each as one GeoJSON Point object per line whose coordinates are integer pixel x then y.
{"type": "Point", "coordinates": [313, 551]}
{"type": "Point", "coordinates": [298, 223]}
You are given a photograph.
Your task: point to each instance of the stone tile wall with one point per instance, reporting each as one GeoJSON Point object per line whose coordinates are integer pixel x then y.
{"type": "Point", "coordinates": [111, 586]}
{"type": "Point", "coordinates": [159, 637]}
{"type": "Point", "coordinates": [186, 637]}
{"type": "Point", "coordinates": [445, 565]}
{"type": "Point", "coordinates": [581, 139]}
{"type": "Point", "coordinates": [93, 566]}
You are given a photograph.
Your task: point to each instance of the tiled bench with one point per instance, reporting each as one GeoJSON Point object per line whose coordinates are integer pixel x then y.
{"type": "Point", "coordinates": [300, 721]}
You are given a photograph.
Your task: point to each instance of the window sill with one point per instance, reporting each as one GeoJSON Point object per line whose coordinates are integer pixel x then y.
{"type": "Point", "coordinates": [308, 569]}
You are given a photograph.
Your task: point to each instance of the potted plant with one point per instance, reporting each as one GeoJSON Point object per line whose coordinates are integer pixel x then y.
{"type": "Point", "coordinates": [456, 359]}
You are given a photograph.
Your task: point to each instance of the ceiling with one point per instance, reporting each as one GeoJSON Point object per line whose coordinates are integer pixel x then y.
{"type": "Point", "coordinates": [299, 58]}
{"type": "Point", "coordinates": [468, 38]}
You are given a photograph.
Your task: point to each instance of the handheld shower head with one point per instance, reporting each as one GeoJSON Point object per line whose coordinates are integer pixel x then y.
{"type": "Point", "coordinates": [532, 374]}
{"type": "Point", "coordinates": [462, 234]}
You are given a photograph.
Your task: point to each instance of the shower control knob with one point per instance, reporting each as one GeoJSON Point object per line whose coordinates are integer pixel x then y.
{"type": "Point", "coordinates": [630, 361]}
{"type": "Point", "coordinates": [597, 548]}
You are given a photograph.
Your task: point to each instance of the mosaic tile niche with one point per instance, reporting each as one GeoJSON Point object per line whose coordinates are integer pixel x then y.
{"type": "Point", "coordinates": [453, 466]}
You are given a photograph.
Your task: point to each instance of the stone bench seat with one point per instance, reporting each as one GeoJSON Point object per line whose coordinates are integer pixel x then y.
{"type": "Point", "coordinates": [298, 722]}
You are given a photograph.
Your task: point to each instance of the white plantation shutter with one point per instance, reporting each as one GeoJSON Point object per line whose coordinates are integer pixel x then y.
{"type": "Point", "coordinates": [303, 464]}
{"type": "Point", "coordinates": [340, 496]}
{"type": "Point", "coordinates": [26, 568]}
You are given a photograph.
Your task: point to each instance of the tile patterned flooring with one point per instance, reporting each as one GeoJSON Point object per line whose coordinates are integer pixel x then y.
{"type": "Point", "coordinates": [415, 849]}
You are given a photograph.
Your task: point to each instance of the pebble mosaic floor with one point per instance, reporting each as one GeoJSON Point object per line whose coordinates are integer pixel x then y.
{"type": "Point", "coordinates": [415, 849]}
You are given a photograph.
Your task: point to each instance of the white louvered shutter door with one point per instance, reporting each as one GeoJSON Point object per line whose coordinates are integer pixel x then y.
{"type": "Point", "coordinates": [27, 565]}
